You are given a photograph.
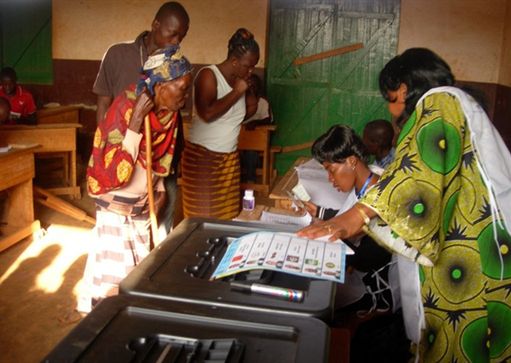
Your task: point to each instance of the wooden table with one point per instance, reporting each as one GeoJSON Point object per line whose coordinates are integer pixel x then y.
{"type": "Point", "coordinates": [52, 138]}
{"type": "Point", "coordinates": [286, 184]}
{"type": "Point", "coordinates": [17, 215]}
{"type": "Point", "coordinates": [258, 139]}
{"type": "Point", "coordinates": [59, 115]}
{"type": "Point", "coordinates": [255, 215]}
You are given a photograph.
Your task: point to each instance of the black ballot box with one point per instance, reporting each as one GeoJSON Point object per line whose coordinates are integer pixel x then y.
{"type": "Point", "coordinates": [144, 330]}
{"type": "Point", "coordinates": [180, 268]}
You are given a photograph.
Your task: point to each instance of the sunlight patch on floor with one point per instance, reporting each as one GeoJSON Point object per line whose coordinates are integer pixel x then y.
{"type": "Point", "coordinates": [73, 243]}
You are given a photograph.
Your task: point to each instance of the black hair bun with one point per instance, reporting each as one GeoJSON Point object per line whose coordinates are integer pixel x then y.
{"type": "Point", "coordinates": [241, 42]}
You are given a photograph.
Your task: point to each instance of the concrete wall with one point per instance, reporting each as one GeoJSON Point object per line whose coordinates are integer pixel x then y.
{"type": "Point", "coordinates": [468, 34]}
{"type": "Point", "coordinates": [473, 36]}
{"type": "Point", "coordinates": [85, 29]}
{"type": "Point", "coordinates": [505, 60]}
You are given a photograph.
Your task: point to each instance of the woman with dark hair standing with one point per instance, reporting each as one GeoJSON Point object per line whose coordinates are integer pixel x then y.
{"type": "Point", "coordinates": [210, 165]}
{"type": "Point", "coordinates": [444, 204]}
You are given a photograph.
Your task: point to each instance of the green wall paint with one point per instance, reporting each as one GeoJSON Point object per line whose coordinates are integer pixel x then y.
{"type": "Point", "coordinates": [25, 33]}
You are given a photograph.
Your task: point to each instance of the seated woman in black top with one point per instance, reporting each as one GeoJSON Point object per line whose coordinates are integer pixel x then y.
{"type": "Point", "coordinates": [343, 154]}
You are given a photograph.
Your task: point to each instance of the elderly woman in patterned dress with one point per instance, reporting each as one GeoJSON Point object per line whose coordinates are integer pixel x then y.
{"type": "Point", "coordinates": [117, 173]}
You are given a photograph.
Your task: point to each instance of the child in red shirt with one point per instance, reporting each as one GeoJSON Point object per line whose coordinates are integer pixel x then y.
{"type": "Point", "coordinates": [22, 103]}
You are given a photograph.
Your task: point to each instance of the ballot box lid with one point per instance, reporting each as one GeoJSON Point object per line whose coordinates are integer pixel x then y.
{"type": "Point", "coordinates": [165, 273]}
{"type": "Point", "coordinates": [134, 329]}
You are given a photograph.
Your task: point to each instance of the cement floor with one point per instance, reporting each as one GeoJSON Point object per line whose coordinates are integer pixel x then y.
{"type": "Point", "coordinates": [39, 281]}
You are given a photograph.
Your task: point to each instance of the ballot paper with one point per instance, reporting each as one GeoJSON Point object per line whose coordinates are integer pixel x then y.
{"type": "Point", "coordinates": [314, 178]}
{"type": "Point", "coordinates": [285, 252]}
{"type": "Point", "coordinates": [23, 146]}
{"type": "Point", "coordinates": [300, 192]}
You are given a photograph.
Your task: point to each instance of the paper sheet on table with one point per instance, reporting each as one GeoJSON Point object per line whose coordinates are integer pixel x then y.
{"type": "Point", "coordinates": [314, 178]}
{"type": "Point", "coordinates": [276, 218]}
{"type": "Point", "coordinates": [23, 146]}
{"type": "Point", "coordinates": [284, 252]}
{"type": "Point", "coordinates": [4, 149]}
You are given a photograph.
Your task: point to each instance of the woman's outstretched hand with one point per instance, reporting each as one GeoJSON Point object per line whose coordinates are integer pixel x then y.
{"type": "Point", "coordinates": [330, 228]}
{"type": "Point", "coordinates": [343, 226]}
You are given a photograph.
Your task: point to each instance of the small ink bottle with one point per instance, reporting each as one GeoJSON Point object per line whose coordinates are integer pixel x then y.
{"type": "Point", "coordinates": [248, 200]}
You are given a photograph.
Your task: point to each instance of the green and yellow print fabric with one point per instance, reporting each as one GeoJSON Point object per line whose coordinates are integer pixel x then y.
{"type": "Point", "coordinates": [434, 197]}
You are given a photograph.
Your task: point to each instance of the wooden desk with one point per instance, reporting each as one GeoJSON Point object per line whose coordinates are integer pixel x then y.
{"type": "Point", "coordinates": [251, 216]}
{"type": "Point", "coordinates": [255, 215]}
{"type": "Point", "coordinates": [59, 115]}
{"type": "Point", "coordinates": [17, 215]}
{"type": "Point", "coordinates": [286, 184]}
{"type": "Point", "coordinates": [258, 139]}
{"type": "Point", "coordinates": [52, 138]}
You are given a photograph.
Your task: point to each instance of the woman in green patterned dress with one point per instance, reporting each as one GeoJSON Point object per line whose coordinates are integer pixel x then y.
{"type": "Point", "coordinates": [445, 204]}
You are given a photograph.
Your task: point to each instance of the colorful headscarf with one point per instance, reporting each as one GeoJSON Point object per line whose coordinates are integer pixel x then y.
{"type": "Point", "coordinates": [164, 65]}
{"type": "Point", "coordinates": [111, 166]}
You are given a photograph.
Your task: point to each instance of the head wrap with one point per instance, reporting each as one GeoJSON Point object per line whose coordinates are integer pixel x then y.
{"type": "Point", "coordinates": [164, 65]}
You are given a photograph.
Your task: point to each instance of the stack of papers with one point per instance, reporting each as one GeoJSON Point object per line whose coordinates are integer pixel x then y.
{"type": "Point", "coordinates": [276, 218]}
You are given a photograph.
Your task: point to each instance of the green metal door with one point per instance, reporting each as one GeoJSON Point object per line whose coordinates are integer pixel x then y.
{"type": "Point", "coordinates": [307, 99]}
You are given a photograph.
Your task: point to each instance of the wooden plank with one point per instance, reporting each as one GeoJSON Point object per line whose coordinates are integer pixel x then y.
{"type": "Point", "coordinates": [46, 198]}
{"type": "Point", "coordinates": [305, 145]}
{"type": "Point", "coordinates": [12, 236]}
{"type": "Point", "coordinates": [328, 54]}
{"type": "Point", "coordinates": [73, 192]}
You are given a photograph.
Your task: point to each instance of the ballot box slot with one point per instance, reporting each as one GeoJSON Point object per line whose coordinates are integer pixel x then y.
{"type": "Point", "coordinates": [142, 329]}
{"type": "Point", "coordinates": [162, 348]}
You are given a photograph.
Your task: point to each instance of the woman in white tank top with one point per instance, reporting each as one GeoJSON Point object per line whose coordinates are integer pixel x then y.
{"type": "Point", "coordinates": [210, 164]}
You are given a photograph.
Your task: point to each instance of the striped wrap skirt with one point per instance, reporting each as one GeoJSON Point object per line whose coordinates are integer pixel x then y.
{"type": "Point", "coordinates": [210, 183]}
{"type": "Point", "coordinates": [121, 240]}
